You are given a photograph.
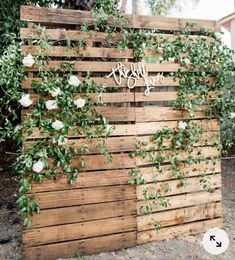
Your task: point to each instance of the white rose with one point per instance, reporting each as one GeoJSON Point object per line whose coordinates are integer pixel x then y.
{"type": "Point", "coordinates": [182, 125]}
{"type": "Point", "coordinates": [80, 103]}
{"type": "Point", "coordinates": [74, 81]}
{"type": "Point", "coordinates": [38, 166]}
{"type": "Point", "coordinates": [56, 92]}
{"type": "Point", "coordinates": [57, 125]}
{"type": "Point", "coordinates": [232, 115]}
{"type": "Point", "coordinates": [51, 104]}
{"type": "Point", "coordinates": [25, 101]}
{"type": "Point", "coordinates": [28, 61]}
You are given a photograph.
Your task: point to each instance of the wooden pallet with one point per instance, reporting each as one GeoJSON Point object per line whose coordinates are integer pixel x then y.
{"type": "Point", "coordinates": [100, 212]}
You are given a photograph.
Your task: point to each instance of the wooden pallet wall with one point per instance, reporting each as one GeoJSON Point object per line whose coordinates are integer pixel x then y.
{"type": "Point", "coordinates": [100, 212]}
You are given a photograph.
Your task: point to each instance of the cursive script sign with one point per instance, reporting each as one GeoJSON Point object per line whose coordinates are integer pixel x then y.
{"type": "Point", "coordinates": [135, 72]}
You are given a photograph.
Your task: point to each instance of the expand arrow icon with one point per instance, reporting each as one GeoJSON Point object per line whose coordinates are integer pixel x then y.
{"type": "Point", "coordinates": [212, 238]}
{"type": "Point", "coordinates": [218, 244]}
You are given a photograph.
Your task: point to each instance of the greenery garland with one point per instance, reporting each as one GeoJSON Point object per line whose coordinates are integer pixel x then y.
{"type": "Point", "coordinates": [202, 58]}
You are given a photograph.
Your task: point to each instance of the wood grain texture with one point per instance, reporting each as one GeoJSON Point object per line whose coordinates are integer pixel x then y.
{"type": "Point", "coordinates": [139, 114]}
{"type": "Point", "coordinates": [110, 82]}
{"type": "Point", "coordinates": [76, 214]}
{"type": "Point", "coordinates": [180, 216]}
{"type": "Point", "coordinates": [77, 17]}
{"type": "Point", "coordinates": [183, 200]}
{"type": "Point", "coordinates": [105, 66]}
{"type": "Point", "coordinates": [81, 247]}
{"type": "Point", "coordinates": [179, 230]}
{"type": "Point", "coordinates": [76, 197]}
{"type": "Point", "coordinates": [147, 128]}
{"type": "Point", "coordinates": [127, 143]}
{"type": "Point", "coordinates": [55, 234]}
{"type": "Point", "coordinates": [121, 177]}
{"type": "Point", "coordinates": [193, 185]}
{"type": "Point", "coordinates": [89, 52]}
{"type": "Point", "coordinates": [123, 97]}
{"type": "Point", "coordinates": [93, 36]}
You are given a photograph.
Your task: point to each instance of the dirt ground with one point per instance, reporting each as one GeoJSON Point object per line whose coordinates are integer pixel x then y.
{"type": "Point", "coordinates": [189, 247]}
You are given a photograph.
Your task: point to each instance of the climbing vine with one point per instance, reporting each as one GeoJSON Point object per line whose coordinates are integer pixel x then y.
{"type": "Point", "coordinates": [204, 77]}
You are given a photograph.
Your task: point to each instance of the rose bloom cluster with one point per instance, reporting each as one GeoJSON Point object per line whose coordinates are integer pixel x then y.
{"type": "Point", "coordinates": [25, 101]}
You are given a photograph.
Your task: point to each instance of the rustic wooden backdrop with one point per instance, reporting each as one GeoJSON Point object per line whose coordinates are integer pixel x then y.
{"type": "Point", "coordinates": [100, 212]}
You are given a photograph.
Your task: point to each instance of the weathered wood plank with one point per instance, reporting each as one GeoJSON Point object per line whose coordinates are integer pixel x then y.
{"type": "Point", "coordinates": [95, 97]}
{"type": "Point", "coordinates": [73, 197]}
{"type": "Point", "coordinates": [89, 52]}
{"type": "Point", "coordinates": [113, 114]}
{"type": "Point", "coordinates": [182, 200]}
{"type": "Point", "coordinates": [93, 36]}
{"type": "Point", "coordinates": [179, 230]}
{"type": "Point", "coordinates": [155, 113]}
{"type": "Point", "coordinates": [77, 17]}
{"type": "Point", "coordinates": [121, 177]}
{"type": "Point", "coordinates": [110, 82]}
{"type": "Point", "coordinates": [180, 216]}
{"type": "Point", "coordinates": [75, 214]}
{"type": "Point", "coordinates": [140, 114]}
{"type": "Point", "coordinates": [55, 234]}
{"type": "Point", "coordinates": [76, 197]}
{"type": "Point", "coordinates": [147, 128]}
{"type": "Point", "coordinates": [193, 185]}
{"type": "Point", "coordinates": [127, 143]}
{"type": "Point", "coordinates": [196, 169]}
{"type": "Point", "coordinates": [198, 152]}
{"type": "Point", "coordinates": [105, 66]}
{"type": "Point", "coordinates": [123, 97]}
{"type": "Point", "coordinates": [121, 161]}
{"type": "Point", "coordinates": [81, 247]}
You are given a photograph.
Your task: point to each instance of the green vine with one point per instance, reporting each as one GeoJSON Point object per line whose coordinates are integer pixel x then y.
{"type": "Point", "coordinates": [204, 84]}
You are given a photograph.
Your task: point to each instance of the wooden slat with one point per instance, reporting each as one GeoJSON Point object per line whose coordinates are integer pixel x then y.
{"type": "Point", "coordinates": [121, 177]}
{"type": "Point", "coordinates": [84, 246]}
{"type": "Point", "coordinates": [87, 196]}
{"type": "Point", "coordinates": [113, 114]}
{"type": "Point", "coordinates": [154, 113]}
{"type": "Point", "coordinates": [55, 234]}
{"type": "Point", "coordinates": [89, 52]}
{"type": "Point", "coordinates": [98, 66]}
{"type": "Point", "coordinates": [98, 162]}
{"type": "Point", "coordinates": [77, 17]}
{"type": "Point", "coordinates": [165, 96]}
{"type": "Point", "coordinates": [103, 97]}
{"type": "Point", "coordinates": [61, 34]}
{"type": "Point", "coordinates": [72, 197]}
{"type": "Point", "coordinates": [86, 180]}
{"type": "Point", "coordinates": [198, 152]}
{"type": "Point", "coordinates": [147, 128]}
{"type": "Point", "coordinates": [110, 82]}
{"type": "Point", "coordinates": [179, 230]}
{"type": "Point", "coordinates": [193, 184]}
{"type": "Point", "coordinates": [139, 114]}
{"type": "Point", "coordinates": [123, 160]}
{"type": "Point", "coordinates": [127, 97]}
{"type": "Point", "coordinates": [75, 214]}
{"type": "Point", "coordinates": [127, 143]}
{"type": "Point", "coordinates": [182, 200]}
{"type": "Point", "coordinates": [93, 36]}
{"type": "Point", "coordinates": [180, 216]}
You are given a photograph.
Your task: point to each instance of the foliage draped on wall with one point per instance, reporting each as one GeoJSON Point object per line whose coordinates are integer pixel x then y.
{"type": "Point", "coordinates": [201, 58]}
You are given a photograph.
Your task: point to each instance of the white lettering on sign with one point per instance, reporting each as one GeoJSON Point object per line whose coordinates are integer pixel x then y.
{"type": "Point", "coordinates": [135, 72]}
